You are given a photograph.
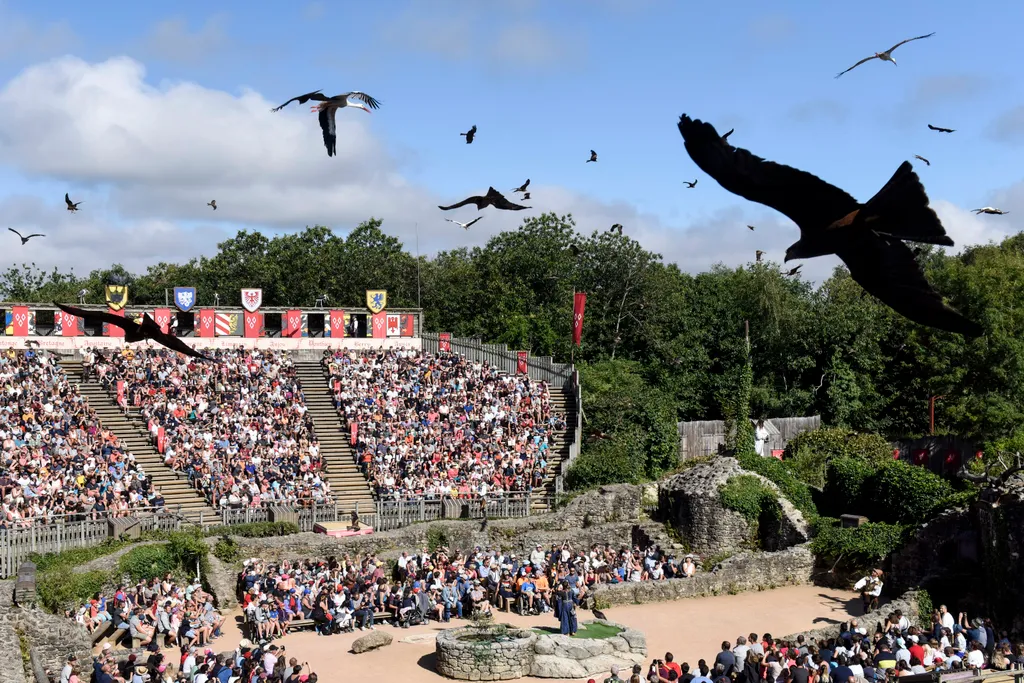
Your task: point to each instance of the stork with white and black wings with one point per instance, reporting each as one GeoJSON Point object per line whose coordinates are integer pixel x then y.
{"type": "Point", "coordinates": [330, 106]}
{"type": "Point", "coordinates": [885, 56]}
{"type": "Point", "coordinates": [302, 99]}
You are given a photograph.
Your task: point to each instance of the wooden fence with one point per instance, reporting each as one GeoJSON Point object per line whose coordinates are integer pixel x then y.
{"type": "Point", "coordinates": [705, 437]}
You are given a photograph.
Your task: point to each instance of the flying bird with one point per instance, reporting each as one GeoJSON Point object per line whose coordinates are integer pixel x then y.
{"type": "Point", "coordinates": [990, 209]}
{"type": "Point", "coordinates": [942, 130]}
{"type": "Point", "coordinates": [465, 226]}
{"type": "Point", "coordinates": [24, 240]}
{"type": "Point", "coordinates": [330, 106]}
{"type": "Point", "coordinates": [725, 138]}
{"type": "Point", "coordinates": [136, 332]}
{"type": "Point", "coordinates": [616, 228]}
{"type": "Point", "coordinates": [867, 237]}
{"type": "Point", "coordinates": [469, 135]}
{"type": "Point", "coordinates": [692, 185]}
{"type": "Point", "coordinates": [793, 271]}
{"type": "Point", "coordinates": [885, 56]}
{"type": "Point", "coordinates": [492, 198]}
{"type": "Point", "coordinates": [526, 195]}
{"type": "Point", "coordinates": [72, 206]}
{"type": "Point", "coordinates": [593, 156]}
{"type": "Point", "coordinates": [751, 227]}
{"type": "Point", "coordinates": [522, 188]}
{"type": "Point", "coordinates": [213, 203]}
{"type": "Point", "coordinates": [758, 254]}
{"type": "Point", "coordinates": [918, 156]}
{"type": "Point", "coordinates": [302, 99]}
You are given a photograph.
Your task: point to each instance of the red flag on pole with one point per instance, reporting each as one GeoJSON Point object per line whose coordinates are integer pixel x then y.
{"type": "Point", "coordinates": [120, 393]}
{"type": "Point", "coordinates": [578, 304]}
{"type": "Point", "coordinates": [354, 429]}
{"type": "Point", "coordinates": [444, 343]}
{"type": "Point", "coordinates": [521, 357]}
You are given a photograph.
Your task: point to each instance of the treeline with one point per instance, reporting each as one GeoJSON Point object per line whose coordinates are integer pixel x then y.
{"type": "Point", "coordinates": [659, 345]}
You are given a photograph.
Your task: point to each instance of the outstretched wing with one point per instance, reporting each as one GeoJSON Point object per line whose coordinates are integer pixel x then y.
{"type": "Point", "coordinates": [908, 40]}
{"type": "Point", "coordinates": [302, 99]}
{"type": "Point", "coordinates": [806, 199]}
{"type": "Point", "coordinates": [35, 234]}
{"type": "Point", "coordinates": [866, 59]}
{"type": "Point", "coordinates": [500, 202]}
{"type": "Point", "coordinates": [479, 201]}
{"type": "Point", "coordinates": [15, 232]}
{"type": "Point", "coordinates": [330, 131]}
{"type": "Point", "coordinates": [175, 344]}
{"type": "Point", "coordinates": [104, 316]}
{"type": "Point", "coordinates": [364, 98]}
{"type": "Point", "coordinates": [886, 268]}
{"type": "Point", "coordinates": [478, 218]}
{"type": "Point", "coordinates": [67, 199]}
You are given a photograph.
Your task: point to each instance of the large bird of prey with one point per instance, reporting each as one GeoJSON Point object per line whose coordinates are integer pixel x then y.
{"type": "Point", "coordinates": [469, 135]}
{"type": "Point", "coordinates": [885, 56]}
{"type": "Point", "coordinates": [918, 156]}
{"type": "Point", "coordinates": [213, 203]}
{"type": "Point", "coordinates": [522, 188]}
{"type": "Point", "coordinates": [465, 226]}
{"type": "Point", "coordinates": [941, 130]}
{"type": "Point", "coordinates": [330, 106]}
{"type": "Point", "coordinates": [492, 198]}
{"type": "Point", "coordinates": [689, 185]}
{"type": "Point", "coordinates": [24, 239]}
{"type": "Point", "coordinates": [867, 237]}
{"type": "Point", "coordinates": [593, 156]}
{"type": "Point", "coordinates": [990, 209]}
{"type": "Point", "coordinates": [136, 332]}
{"type": "Point", "coordinates": [72, 206]}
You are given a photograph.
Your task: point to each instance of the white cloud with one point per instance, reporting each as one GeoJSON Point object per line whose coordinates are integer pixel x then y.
{"type": "Point", "coordinates": [968, 229]}
{"type": "Point", "coordinates": [172, 40]}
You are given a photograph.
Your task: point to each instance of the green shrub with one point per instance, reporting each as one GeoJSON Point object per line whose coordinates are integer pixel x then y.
{"type": "Point", "coordinates": [796, 492]}
{"type": "Point", "coordinates": [617, 459]}
{"type": "Point", "coordinates": [809, 453]}
{"type": "Point", "coordinates": [845, 483]}
{"type": "Point", "coordinates": [437, 538]}
{"type": "Point", "coordinates": [145, 562]}
{"type": "Point", "coordinates": [925, 607]}
{"type": "Point", "coordinates": [747, 495]}
{"type": "Point", "coordinates": [255, 530]}
{"type": "Point", "coordinates": [75, 556]}
{"type": "Point", "coordinates": [905, 493]}
{"type": "Point", "coordinates": [59, 589]}
{"type": "Point", "coordinates": [226, 549]}
{"type": "Point", "coordinates": [857, 547]}
{"type": "Point", "coordinates": [188, 548]}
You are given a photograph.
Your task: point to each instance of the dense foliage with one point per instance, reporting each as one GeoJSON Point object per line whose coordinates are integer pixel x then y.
{"type": "Point", "coordinates": [793, 488]}
{"type": "Point", "coordinates": [830, 350]}
{"type": "Point", "coordinates": [809, 453]}
{"type": "Point", "coordinates": [61, 590]}
{"type": "Point", "coordinates": [893, 491]}
{"type": "Point", "coordinates": [856, 547]}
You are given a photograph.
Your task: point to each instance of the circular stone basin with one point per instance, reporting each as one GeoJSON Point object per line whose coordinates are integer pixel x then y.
{"type": "Point", "coordinates": [485, 653]}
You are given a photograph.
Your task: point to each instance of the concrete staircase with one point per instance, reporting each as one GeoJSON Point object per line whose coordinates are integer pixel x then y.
{"type": "Point", "coordinates": [348, 485]}
{"type": "Point", "coordinates": [178, 493]}
{"type": "Point", "coordinates": [564, 403]}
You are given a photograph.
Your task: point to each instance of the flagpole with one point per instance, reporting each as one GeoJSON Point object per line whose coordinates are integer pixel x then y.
{"type": "Point", "coordinates": [572, 327]}
{"type": "Point", "coordinates": [418, 302]}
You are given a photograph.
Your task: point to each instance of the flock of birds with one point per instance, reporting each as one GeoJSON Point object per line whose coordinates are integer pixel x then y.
{"type": "Point", "coordinates": [869, 238]}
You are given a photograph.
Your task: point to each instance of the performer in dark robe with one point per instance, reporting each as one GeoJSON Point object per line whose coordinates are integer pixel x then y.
{"type": "Point", "coordinates": [565, 608]}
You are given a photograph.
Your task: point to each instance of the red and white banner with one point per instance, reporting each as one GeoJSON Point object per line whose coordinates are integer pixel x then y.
{"type": "Point", "coordinates": [68, 324]}
{"type": "Point", "coordinates": [19, 321]}
{"type": "Point", "coordinates": [292, 326]}
{"type": "Point", "coordinates": [114, 330]}
{"type": "Point", "coordinates": [161, 440]}
{"type": "Point", "coordinates": [120, 392]}
{"type": "Point", "coordinates": [521, 358]}
{"type": "Point", "coordinates": [379, 326]}
{"type": "Point", "coordinates": [253, 325]}
{"type": "Point", "coordinates": [444, 342]}
{"type": "Point", "coordinates": [270, 343]}
{"type": "Point", "coordinates": [578, 304]}
{"type": "Point", "coordinates": [408, 325]}
{"type": "Point", "coordinates": [207, 323]}
{"type": "Point", "coordinates": [337, 324]}
{"type": "Point", "coordinates": [393, 324]}
{"type": "Point", "coordinates": [354, 430]}
{"type": "Point", "coordinates": [162, 316]}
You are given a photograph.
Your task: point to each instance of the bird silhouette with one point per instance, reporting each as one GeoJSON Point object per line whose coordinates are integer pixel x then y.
{"type": "Point", "coordinates": [598, 614]}
{"type": "Point", "coordinates": [990, 209]}
{"type": "Point", "coordinates": [885, 56]}
{"type": "Point", "coordinates": [302, 99]}
{"type": "Point", "coordinates": [593, 156]}
{"type": "Point", "coordinates": [616, 228]}
{"type": "Point", "coordinates": [212, 203]}
{"type": "Point", "coordinates": [522, 188]}
{"type": "Point", "coordinates": [469, 135]}
{"type": "Point", "coordinates": [918, 156]}
{"type": "Point", "coordinates": [751, 227]}
{"type": "Point", "coordinates": [942, 130]}
{"type": "Point", "coordinates": [758, 254]}
{"type": "Point", "coordinates": [690, 185]}
{"type": "Point", "coordinates": [492, 198]}
{"type": "Point", "coordinates": [328, 109]}
{"type": "Point", "coordinates": [526, 195]}
{"type": "Point", "coordinates": [465, 226]}
{"type": "Point", "coordinates": [136, 332]}
{"type": "Point", "coordinates": [867, 237]}
{"type": "Point", "coordinates": [72, 206]}
{"type": "Point", "coordinates": [24, 240]}
{"type": "Point", "coordinates": [793, 271]}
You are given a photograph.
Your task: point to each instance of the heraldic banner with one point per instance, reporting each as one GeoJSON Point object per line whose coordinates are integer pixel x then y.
{"type": "Point", "coordinates": [444, 342]}
{"type": "Point", "coordinates": [521, 358]}
{"type": "Point", "coordinates": [578, 304]}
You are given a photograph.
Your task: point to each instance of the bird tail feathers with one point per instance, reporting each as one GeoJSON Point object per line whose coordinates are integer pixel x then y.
{"type": "Point", "coordinates": [901, 210]}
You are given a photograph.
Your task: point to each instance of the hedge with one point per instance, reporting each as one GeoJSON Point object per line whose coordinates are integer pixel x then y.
{"type": "Point", "coordinates": [809, 453]}
{"type": "Point", "coordinates": [856, 547]}
{"type": "Point", "coordinates": [797, 492]}
{"type": "Point", "coordinates": [66, 590]}
{"type": "Point", "coordinates": [894, 492]}
{"type": "Point", "coordinates": [255, 529]}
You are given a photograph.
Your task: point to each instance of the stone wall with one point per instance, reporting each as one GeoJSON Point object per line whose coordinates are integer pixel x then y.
{"type": "Point", "coordinates": [51, 637]}
{"type": "Point", "coordinates": [906, 603]}
{"type": "Point", "coordinates": [558, 656]}
{"type": "Point", "coordinates": [690, 503]}
{"type": "Point", "coordinates": [743, 571]}
{"type": "Point", "coordinates": [497, 660]}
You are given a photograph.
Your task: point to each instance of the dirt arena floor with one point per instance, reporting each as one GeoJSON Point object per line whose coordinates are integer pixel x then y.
{"type": "Point", "coordinates": [690, 629]}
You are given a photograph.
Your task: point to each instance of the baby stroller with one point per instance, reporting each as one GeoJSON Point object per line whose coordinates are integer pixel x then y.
{"type": "Point", "coordinates": [418, 614]}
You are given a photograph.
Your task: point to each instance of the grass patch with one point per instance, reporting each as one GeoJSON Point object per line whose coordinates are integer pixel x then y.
{"type": "Point", "coordinates": [585, 632]}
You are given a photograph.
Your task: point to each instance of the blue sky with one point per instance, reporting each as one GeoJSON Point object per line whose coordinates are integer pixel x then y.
{"type": "Point", "coordinates": [547, 81]}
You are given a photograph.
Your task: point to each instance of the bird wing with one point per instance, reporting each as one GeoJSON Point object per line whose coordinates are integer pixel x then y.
{"type": "Point", "coordinates": [35, 234]}
{"type": "Point", "coordinates": [68, 199]}
{"type": "Point", "coordinates": [501, 203]}
{"type": "Point", "coordinates": [808, 200]}
{"type": "Point", "coordinates": [886, 268]}
{"type": "Point", "coordinates": [15, 232]}
{"type": "Point", "coordinates": [363, 97]}
{"type": "Point", "coordinates": [593, 153]}
{"type": "Point", "coordinates": [866, 59]}
{"type": "Point", "coordinates": [908, 40]}
{"type": "Point", "coordinates": [526, 184]}
{"type": "Point", "coordinates": [479, 201]}
{"type": "Point", "coordinates": [918, 156]}
{"type": "Point", "coordinates": [104, 316]}
{"type": "Point", "coordinates": [315, 95]}
{"type": "Point", "coordinates": [175, 344]}
{"type": "Point", "coordinates": [478, 218]}
{"type": "Point", "coordinates": [328, 126]}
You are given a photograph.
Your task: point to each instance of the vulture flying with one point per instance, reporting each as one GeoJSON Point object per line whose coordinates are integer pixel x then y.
{"type": "Point", "coordinates": [136, 332]}
{"type": "Point", "coordinates": [24, 240]}
{"type": "Point", "coordinates": [616, 228]}
{"type": "Point", "coordinates": [593, 156]}
{"type": "Point", "coordinates": [465, 226]}
{"type": "Point", "coordinates": [302, 99]}
{"type": "Point", "coordinates": [885, 56]}
{"type": "Point", "coordinates": [469, 135]}
{"type": "Point", "coordinates": [942, 130]}
{"type": "Point", "coordinates": [526, 195]}
{"type": "Point", "coordinates": [492, 198]}
{"type": "Point", "coordinates": [213, 203]}
{"type": "Point", "coordinates": [689, 185]}
{"type": "Point", "coordinates": [793, 271]}
{"type": "Point", "coordinates": [522, 188]}
{"type": "Point", "coordinates": [992, 210]}
{"type": "Point", "coordinates": [72, 206]}
{"type": "Point", "coordinates": [867, 237]}
{"type": "Point", "coordinates": [918, 156]}
{"type": "Point", "coordinates": [330, 106]}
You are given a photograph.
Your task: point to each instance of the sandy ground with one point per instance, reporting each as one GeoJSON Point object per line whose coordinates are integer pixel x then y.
{"type": "Point", "coordinates": [690, 629]}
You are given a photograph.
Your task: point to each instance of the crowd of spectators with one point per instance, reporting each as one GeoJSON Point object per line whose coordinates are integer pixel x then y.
{"type": "Point", "coordinates": [340, 594]}
{"type": "Point", "coordinates": [58, 460]}
{"type": "Point", "coordinates": [238, 428]}
{"type": "Point", "coordinates": [442, 425]}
